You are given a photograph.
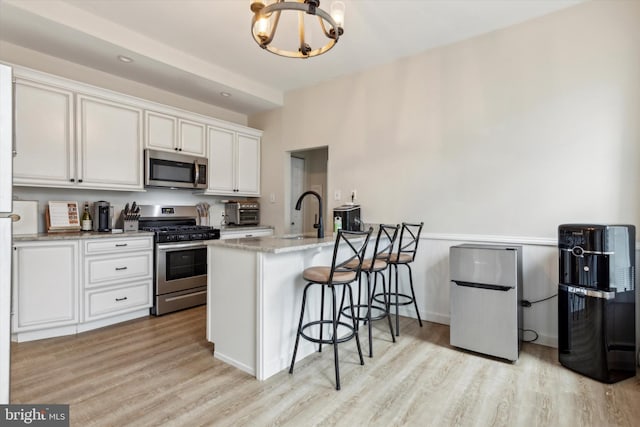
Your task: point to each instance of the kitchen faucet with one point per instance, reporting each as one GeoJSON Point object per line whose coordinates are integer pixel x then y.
{"type": "Point", "coordinates": [319, 225]}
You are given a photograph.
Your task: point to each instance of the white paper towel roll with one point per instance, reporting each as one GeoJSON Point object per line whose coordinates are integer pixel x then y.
{"type": "Point", "coordinates": [26, 212]}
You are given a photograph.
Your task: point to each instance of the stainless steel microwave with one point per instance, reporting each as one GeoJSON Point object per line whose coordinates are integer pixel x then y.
{"type": "Point", "coordinates": [174, 170]}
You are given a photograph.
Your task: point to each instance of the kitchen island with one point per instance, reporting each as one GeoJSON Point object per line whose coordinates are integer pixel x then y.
{"type": "Point", "coordinates": [254, 298]}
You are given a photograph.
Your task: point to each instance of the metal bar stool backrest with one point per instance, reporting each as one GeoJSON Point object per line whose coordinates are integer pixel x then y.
{"type": "Point", "coordinates": [387, 235]}
{"type": "Point", "coordinates": [354, 248]}
{"type": "Point", "coordinates": [407, 243]}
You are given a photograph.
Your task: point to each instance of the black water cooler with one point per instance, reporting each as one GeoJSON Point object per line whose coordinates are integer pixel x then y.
{"type": "Point", "coordinates": [596, 300]}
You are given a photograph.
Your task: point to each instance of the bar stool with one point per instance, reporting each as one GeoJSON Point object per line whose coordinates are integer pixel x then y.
{"type": "Point", "coordinates": [405, 255]}
{"type": "Point", "coordinates": [352, 245]}
{"type": "Point", "coordinates": [375, 265]}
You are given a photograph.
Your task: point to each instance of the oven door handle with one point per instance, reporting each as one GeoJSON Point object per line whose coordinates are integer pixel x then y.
{"type": "Point", "coordinates": [167, 247]}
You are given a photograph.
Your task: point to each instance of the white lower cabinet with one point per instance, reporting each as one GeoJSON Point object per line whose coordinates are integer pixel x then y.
{"type": "Point", "coordinates": [100, 270]}
{"type": "Point", "coordinates": [118, 276]}
{"type": "Point", "coordinates": [61, 287]}
{"type": "Point", "coordinates": [104, 302]}
{"type": "Point", "coordinates": [45, 285]}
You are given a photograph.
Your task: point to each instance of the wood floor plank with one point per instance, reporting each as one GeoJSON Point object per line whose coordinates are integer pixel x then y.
{"type": "Point", "coordinates": [161, 372]}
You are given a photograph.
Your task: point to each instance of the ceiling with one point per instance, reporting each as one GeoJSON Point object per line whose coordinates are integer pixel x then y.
{"type": "Point", "coordinates": [200, 48]}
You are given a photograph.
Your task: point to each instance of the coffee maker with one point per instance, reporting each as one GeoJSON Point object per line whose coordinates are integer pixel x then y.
{"type": "Point", "coordinates": [348, 217]}
{"type": "Point", "coordinates": [102, 214]}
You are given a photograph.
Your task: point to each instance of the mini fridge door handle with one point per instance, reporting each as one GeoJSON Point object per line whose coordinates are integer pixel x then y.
{"type": "Point", "coordinates": [482, 286]}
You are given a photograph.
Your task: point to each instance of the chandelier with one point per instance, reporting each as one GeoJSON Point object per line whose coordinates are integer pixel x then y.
{"type": "Point", "coordinates": [267, 16]}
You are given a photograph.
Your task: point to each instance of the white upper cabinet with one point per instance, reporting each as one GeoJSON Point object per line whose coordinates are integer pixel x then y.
{"type": "Point", "coordinates": [192, 137]}
{"type": "Point", "coordinates": [234, 162]}
{"type": "Point", "coordinates": [45, 140]}
{"type": "Point", "coordinates": [72, 135]}
{"type": "Point", "coordinates": [94, 142]}
{"type": "Point", "coordinates": [248, 164]}
{"type": "Point", "coordinates": [167, 132]}
{"type": "Point", "coordinates": [221, 161]}
{"type": "Point", "coordinates": [110, 141]}
{"type": "Point", "coordinates": [161, 131]}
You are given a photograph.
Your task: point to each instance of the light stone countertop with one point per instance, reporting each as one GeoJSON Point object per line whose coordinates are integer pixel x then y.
{"type": "Point", "coordinates": [275, 244]}
{"type": "Point", "coordinates": [232, 228]}
{"type": "Point", "coordinates": [78, 235]}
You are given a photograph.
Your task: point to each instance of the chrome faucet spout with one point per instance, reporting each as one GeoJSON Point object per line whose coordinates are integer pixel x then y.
{"type": "Point", "coordinates": [320, 223]}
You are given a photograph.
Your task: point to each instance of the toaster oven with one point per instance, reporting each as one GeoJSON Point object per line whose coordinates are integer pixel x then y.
{"type": "Point", "coordinates": [242, 212]}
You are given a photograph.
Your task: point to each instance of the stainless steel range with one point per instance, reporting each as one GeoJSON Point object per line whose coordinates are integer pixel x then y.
{"type": "Point", "coordinates": [180, 258]}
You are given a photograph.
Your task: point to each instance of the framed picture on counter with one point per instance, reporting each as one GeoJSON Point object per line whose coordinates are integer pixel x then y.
{"type": "Point", "coordinates": [62, 216]}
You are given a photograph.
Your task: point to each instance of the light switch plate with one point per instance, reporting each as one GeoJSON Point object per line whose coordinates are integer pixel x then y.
{"type": "Point", "coordinates": [337, 195]}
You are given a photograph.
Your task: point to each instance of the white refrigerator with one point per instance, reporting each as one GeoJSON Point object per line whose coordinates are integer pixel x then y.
{"type": "Point", "coordinates": [6, 161]}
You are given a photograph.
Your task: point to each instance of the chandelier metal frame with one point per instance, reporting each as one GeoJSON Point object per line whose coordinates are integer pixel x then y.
{"type": "Point", "coordinates": [272, 12]}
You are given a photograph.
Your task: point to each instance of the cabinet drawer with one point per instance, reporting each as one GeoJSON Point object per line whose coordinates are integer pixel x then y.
{"type": "Point", "coordinates": [108, 302]}
{"type": "Point", "coordinates": [104, 246]}
{"type": "Point", "coordinates": [102, 270]}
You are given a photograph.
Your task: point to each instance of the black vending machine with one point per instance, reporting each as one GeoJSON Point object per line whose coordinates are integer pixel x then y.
{"type": "Point", "coordinates": [596, 300]}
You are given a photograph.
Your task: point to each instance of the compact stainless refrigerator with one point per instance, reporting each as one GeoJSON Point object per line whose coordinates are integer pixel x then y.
{"type": "Point", "coordinates": [6, 161]}
{"type": "Point", "coordinates": [596, 300]}
{"type": "Point", "coordinates": [486, 287]}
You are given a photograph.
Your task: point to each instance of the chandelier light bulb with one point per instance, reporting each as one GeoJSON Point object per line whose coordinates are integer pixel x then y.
{"type": "Point", "coordinates": [262, 27]}
{"type": "Point", "coordinates": [337, 13]}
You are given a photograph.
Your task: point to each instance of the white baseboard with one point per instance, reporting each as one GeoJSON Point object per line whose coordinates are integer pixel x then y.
{"type": "Point", "coordinates": [233, 362]}
{"type": "Point", "coordinates": [62, 331]}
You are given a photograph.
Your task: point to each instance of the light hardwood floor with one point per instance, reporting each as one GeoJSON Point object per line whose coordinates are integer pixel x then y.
{"type": "Point", "coordinates": [160, 371]}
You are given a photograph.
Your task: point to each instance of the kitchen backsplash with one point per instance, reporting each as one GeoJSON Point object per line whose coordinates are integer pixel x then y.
{"type": "Point", "coordinates": [118, 199]}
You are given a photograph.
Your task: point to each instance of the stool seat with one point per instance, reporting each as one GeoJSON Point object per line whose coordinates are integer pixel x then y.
{"type": "Point", "coordinates": [321, 274]}
{"type": "Point", "coordinates": [374, 265]}
{"type": "Point", "coordinates": [401, 258]}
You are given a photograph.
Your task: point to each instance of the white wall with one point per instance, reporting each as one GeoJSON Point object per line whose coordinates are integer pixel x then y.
{"type": "Point", "coordinates": [508, 134]}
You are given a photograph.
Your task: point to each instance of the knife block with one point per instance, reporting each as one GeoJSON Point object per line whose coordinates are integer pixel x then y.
{"type": "Point", "coordinates": [127, 224]}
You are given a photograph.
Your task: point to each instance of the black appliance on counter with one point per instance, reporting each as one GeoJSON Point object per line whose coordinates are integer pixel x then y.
{"type": "Point", "coordinates": [102, 216]}
{"type": "Point", "coordinates": [348, 216]}
{"type": "Point", "coordinates": [180, 256]}
{"type": "Point", "coordinates": [596, 300]}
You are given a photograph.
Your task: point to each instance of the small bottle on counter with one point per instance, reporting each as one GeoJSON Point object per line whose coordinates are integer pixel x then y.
{"type": "Point", "coordinates": [87, 223]}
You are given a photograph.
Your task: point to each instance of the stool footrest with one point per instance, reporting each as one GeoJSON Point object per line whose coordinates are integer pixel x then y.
{"type": "Point", "coordinates": [408, 299]}
{"type": "Point", "coordinates": [349, 336]}
{"type": "Point", "coordinates": [347, 312]}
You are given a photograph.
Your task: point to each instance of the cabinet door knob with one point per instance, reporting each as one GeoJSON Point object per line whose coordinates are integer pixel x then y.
{"type": "Point", "coordinates": [72, 180]}
{"type": "Point", "coordinates": [121, 299]}
{"type": "Point", "coordinates": [79, 180]}
{"type": "Point", "coordinates": [121, 268]}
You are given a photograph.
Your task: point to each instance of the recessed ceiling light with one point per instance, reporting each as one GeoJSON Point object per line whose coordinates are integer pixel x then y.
{"type": "Point", "coordinates": [225, 94]}
{"type": "Point", "coordinates": [124, 59]}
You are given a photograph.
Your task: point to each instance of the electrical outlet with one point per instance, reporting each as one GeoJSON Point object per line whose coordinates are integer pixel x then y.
{"type": "Point", "coordinates": [272, 197]}
{"type": "Point", "coordinates": [337, 195]}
